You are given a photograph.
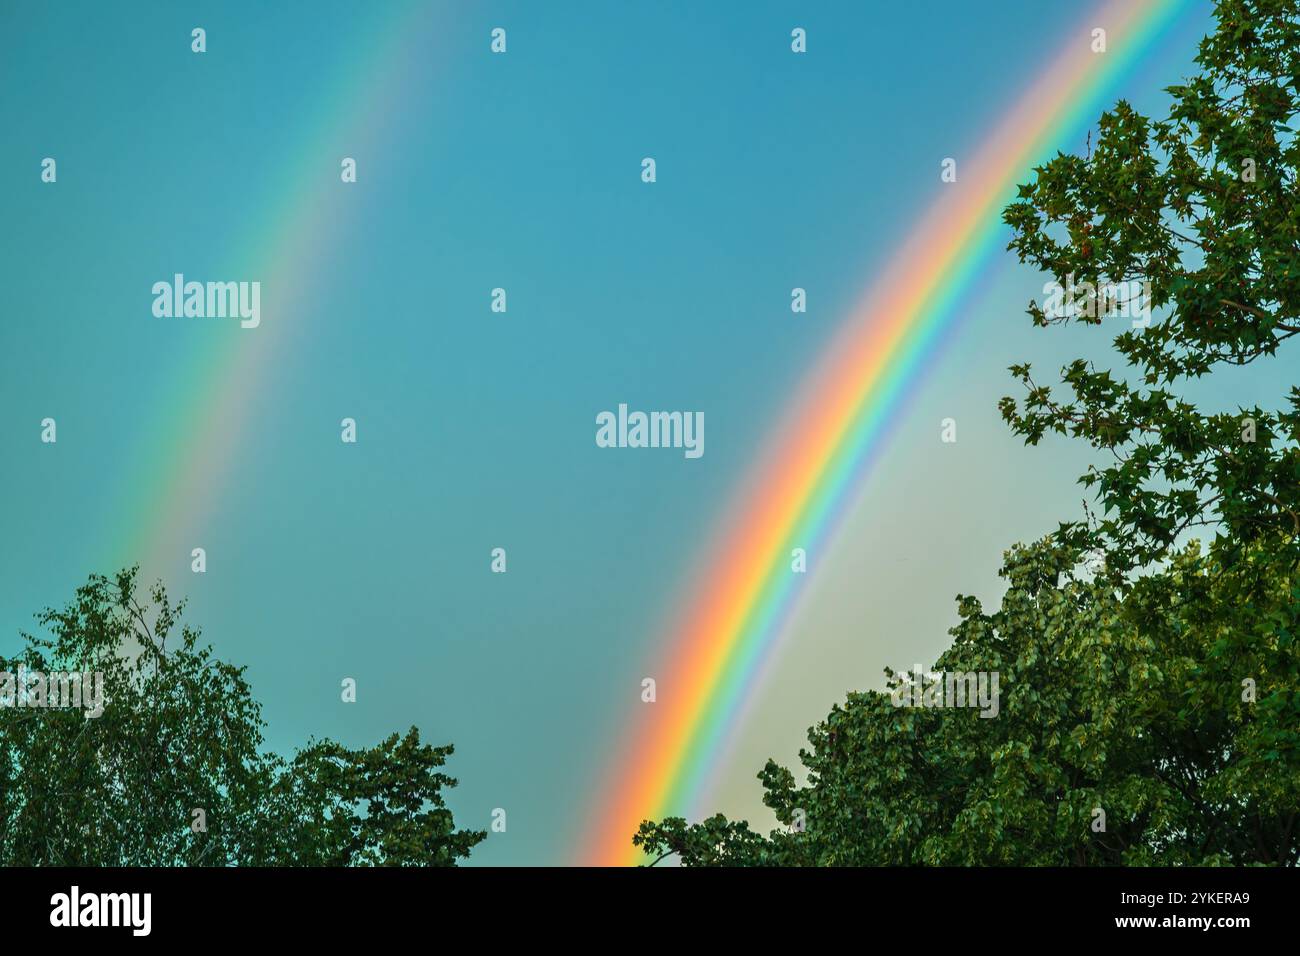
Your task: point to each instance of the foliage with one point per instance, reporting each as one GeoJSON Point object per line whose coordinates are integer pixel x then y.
{"type": "Point", "coordinates": [1202, 205]}
{"type": "Point", "coordinates": [179, 732]}
{"type": "Point", "coordinates": [1134, 706]}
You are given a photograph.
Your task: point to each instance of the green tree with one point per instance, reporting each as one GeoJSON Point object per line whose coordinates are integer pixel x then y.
{"type": "Point", "coordinates": [1128, 704]}
{"type": "Point", "coordinates": [1143, 676]}
{"type": "Point", "coordinates": [1202, 205]}
{"type": "Point", "coordinates": [180, 732]}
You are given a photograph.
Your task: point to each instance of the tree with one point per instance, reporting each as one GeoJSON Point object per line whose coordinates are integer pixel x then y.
{"type": "Point", "coordinates": [173, 771]}
{"type": "Point", "coordinates": [1202, 207]}
{"type": "Point", "coordinates": [1155, 690]}
{"type": "Point", "coordinates": [1128, 705]}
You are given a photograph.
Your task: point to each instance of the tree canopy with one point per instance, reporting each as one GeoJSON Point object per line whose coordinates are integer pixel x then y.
{"type": "Point", "coordinates": [173, 771]}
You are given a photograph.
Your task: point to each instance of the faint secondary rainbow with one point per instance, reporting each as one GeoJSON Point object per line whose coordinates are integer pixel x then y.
{"type": "Point", "coordinates": [821, 452]}
{"type": "Point", "coordinates": [182, 461]}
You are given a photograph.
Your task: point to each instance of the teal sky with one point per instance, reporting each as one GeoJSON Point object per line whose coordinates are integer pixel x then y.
{"type": "Point", "coordinates": [476, 429]}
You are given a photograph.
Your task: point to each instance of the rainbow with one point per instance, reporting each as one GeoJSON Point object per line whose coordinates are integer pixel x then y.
{"type": "Point", "coordinates": [182, 459]}
{"type": "Point", "coordinates": [803, 483]}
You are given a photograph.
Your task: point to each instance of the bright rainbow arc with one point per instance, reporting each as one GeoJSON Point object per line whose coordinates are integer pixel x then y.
{"type": "Point", "coordinates": [804, 483]}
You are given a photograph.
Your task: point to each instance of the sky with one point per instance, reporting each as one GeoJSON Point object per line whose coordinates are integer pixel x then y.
{"type": "Point", "coordinates": [476, 429]}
